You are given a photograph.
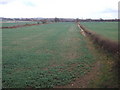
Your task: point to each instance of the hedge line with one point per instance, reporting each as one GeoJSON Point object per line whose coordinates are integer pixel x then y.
{"type": "Point", "coordinates": [106, 44]}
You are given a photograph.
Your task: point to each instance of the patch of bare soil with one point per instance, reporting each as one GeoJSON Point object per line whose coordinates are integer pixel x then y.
{"type": "Point", "coordinates": [83, 81]}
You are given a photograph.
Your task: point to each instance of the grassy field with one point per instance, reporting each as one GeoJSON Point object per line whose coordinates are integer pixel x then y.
{"type": "Point", "coordinates": [44, 56]}
{"type": "Point", "coordinates": [106, 29]}
{"type": "Point", "coordinates": [7, 24]}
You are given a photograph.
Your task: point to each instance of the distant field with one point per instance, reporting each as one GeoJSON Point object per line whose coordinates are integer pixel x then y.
{"type": "Point", "coordinates": [44, 56]}
{"type": "Point", "coordinates": [107, 29]}
{"type": "Point", "coordinates": [7, 24]}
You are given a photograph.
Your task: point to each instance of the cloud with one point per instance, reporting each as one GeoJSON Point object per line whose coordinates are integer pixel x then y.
{"type": "Point", "coordinates": [28, 3]}
{"type": "Point", "coordinates": [6, 1]}
{"type": "Point", "coordinates": [3, 2]}
{"type": "Point", "coordinates": [110, 10]}
{"type": "Point", "coordinates": [60, 8]}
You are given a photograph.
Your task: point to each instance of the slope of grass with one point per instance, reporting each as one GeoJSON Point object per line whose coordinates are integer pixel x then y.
{"type": "Point", "coordinates": [107, 75]}
{"type": "Point", "coordinates": [44, 56]}
{"type": "Point", "coordinates": [106, 29]}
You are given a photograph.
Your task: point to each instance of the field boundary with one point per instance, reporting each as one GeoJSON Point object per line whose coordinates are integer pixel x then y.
{"type": "Point", "coordinates": [18, 26]}
{"type": "Point", "coordinates": [106, 44]}
{"type": "Point", "coordinates": [81, 30]}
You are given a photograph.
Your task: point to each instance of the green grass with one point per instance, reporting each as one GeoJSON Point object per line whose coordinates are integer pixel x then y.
{"type": "Point", "coordinates": [107, 75]}
{"type": "Point", "coordinates": [106, 29]}
{"type": "Point", "coordinates": [44, 56]}
{"type": "Point", "coordinates": [17, 23]}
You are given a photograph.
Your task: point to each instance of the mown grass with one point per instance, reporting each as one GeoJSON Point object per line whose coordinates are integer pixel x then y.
{"type": "Point", "coordinates": [106, 29]}
{"type": "Point", "coordinates": [44, 56]}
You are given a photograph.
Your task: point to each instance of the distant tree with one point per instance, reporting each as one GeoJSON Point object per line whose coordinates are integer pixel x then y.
{"type": "Point", "coordinates": [57, 19]}
{"type": "Point", "coordinates": [44, 21]}
{"type": "Point", "coordinates": [77, 20]}
{"type": "Point", "coordinates": [101, 19]}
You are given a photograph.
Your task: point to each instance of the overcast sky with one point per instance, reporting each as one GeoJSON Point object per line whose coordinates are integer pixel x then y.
{"type": "Point", "coordinates": [59, 8]}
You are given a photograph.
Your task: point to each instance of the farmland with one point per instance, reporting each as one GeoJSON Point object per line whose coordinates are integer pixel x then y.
{"type": "Point", "coordinates": [44, 56]}
{"type": "Point", "coordinates": [106, 29]}
{"type": "Point", "coordinates": [51, 55]}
